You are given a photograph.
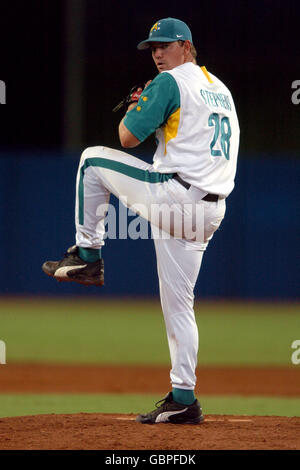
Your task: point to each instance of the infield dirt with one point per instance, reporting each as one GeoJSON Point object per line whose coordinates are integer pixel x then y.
{"type": "Point", "coordinates": [120, 432]}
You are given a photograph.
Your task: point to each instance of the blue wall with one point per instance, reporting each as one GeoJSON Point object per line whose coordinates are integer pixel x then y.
{"type": "Point", "coordinates": [253, 256]}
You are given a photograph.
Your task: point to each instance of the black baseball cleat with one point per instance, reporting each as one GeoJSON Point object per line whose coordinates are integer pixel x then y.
{"type": "Point", "coordinates": [73, 268]}
{"type": "Point", "coordinates": [172, 412]}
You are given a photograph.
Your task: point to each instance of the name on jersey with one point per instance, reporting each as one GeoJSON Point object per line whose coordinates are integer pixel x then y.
{"type": "Point", "coordinates": [216, 99]}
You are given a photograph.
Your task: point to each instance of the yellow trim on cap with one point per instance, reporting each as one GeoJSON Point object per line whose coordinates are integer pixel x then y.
{"type": "Point", "coordinates": [203, 68]}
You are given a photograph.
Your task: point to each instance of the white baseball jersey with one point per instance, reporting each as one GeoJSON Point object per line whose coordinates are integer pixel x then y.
{"type": "Point", "coordinates": [200, 139]}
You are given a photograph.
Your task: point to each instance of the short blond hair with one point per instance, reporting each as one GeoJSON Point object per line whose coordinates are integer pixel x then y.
{"type": "Point", "coordinates": [193, 50]}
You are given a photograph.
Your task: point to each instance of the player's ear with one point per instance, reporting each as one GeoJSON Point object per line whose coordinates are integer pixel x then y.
{"type": "Point", "coordinates": [187, 46]}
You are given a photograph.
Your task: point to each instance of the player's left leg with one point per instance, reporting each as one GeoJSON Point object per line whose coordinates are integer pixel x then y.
{"type": "Point", "coordinates": [103, 171]}
{"type": "Point", "coordinates": [138, 186]}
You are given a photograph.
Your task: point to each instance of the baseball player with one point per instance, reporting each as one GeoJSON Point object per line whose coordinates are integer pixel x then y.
{"type": "Point", "coordinates": [193, 116]}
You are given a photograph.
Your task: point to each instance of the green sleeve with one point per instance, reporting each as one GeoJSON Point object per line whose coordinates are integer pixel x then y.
{"type": "Point", "coordinates": [157, 102]}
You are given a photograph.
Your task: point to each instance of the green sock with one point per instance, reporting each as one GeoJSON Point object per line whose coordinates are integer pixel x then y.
{"type": "Point", "coordinates": [185, 397]}
{"type": "Point", "coordinates": [90, 255]}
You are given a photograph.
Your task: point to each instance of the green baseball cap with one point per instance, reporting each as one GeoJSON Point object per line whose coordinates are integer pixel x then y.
{"type": "Point", "coordinates": [167, 30]}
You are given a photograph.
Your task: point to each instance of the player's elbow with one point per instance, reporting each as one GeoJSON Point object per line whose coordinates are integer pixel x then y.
{"type": "Point", "coordinates": [127, 139]}
{"type": "Point", "coordinates": [128, 143]}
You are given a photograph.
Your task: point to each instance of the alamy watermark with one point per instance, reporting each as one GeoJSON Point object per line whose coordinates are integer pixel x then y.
{"type": "Point", "coordinates": [296, 354]}
{"type": "Point", "coordinates": [180, 221]}
{"type": "Point", "coordinates": [2, 352]}
{"type": "Point", "coordinates": [2, 92]}
{"type": "Point", "coordinates": [296, 94]}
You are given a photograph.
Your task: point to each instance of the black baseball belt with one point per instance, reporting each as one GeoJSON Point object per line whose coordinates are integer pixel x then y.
{"type": "Point", "coordinates": [208, 197]}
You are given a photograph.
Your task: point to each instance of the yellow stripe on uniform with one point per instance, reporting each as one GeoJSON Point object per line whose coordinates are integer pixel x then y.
{"type": "Point", "coordinates": [171, 127]}
{"type": "Point", "coordinates": [203, 68]}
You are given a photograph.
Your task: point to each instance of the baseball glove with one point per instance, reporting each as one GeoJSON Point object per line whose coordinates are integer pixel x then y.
{"type": "Point", "coordinates": [132, 97]}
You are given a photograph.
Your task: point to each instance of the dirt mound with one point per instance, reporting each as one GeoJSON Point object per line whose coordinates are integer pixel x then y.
{"type": "Point", "coordinates": [122, 432]}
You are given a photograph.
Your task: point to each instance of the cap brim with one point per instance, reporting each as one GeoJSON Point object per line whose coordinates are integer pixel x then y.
{"type": "Point", "coordinates": [146, 44]}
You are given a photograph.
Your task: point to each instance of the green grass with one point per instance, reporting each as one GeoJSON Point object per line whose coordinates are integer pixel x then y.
{"type": "Point", "coordinates": [24, 405]}
{"type": "Point", "coordinates": [133, 332]}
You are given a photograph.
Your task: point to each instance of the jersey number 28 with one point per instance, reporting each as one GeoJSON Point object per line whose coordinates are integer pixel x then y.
{"type": "Point", "coordinates": [225, 134]}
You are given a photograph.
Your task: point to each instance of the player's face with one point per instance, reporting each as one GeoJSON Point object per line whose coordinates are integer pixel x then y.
{"type": "Point", "coordinates": [167, 55]}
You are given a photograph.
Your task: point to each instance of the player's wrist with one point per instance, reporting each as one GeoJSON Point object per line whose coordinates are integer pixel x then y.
{"type": "Point", "coordinates": [131, 106]}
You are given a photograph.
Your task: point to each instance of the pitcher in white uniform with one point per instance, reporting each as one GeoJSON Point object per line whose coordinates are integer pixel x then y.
{"type": "Point", "coordinates": [193, 116]}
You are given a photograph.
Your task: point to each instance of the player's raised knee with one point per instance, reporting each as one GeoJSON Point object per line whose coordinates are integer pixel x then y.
{"type": "Point", "coordinates": [94, 152]}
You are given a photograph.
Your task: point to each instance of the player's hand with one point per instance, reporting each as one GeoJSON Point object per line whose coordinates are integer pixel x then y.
{"type": "Point", "coordinates": [135, 96]}
{"type": "Point", "coordinates": [131, 106]}
{"type": "Point", "coordinates": [132, 98]}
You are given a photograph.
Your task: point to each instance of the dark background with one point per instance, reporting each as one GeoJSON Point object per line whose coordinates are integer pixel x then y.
{"type": "Point", "coordinates": [253, 46]}
{"type": "Point", "coordinates": [67, 63]}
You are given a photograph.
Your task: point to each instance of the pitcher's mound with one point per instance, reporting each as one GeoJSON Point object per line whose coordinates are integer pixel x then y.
{"type": "Point", "coordinates": [121, 432]}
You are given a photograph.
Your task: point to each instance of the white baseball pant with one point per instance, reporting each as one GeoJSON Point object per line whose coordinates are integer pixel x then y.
{"type": "Point", "coordinates": [179, 251]}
